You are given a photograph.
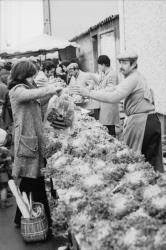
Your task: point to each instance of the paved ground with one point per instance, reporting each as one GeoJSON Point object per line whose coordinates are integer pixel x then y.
{"type": "Point", "coordinates": [10, 238]}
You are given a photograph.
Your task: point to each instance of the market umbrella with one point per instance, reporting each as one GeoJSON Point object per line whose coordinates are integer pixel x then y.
{"type": "Point", "coordinates": [38, 45]}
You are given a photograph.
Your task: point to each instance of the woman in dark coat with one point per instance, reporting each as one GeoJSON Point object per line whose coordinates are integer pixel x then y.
{"type": "Point", "coordinates": [28, 132]}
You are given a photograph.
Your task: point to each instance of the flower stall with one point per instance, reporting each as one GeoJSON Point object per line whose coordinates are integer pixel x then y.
{"type": "Point", "coordinates": [109, 197]}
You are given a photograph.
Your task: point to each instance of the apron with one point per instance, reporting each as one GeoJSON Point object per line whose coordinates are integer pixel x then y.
{"type": "Point", "coordinates": [142, 131]}
{"type": "Point", "coordinates": [137, 107]}
{"type": "Point", "coordinates": [134, 130]}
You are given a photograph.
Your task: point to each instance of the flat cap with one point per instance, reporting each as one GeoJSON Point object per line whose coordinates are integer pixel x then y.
{"type": "Point", "coordinates": [127, 55]}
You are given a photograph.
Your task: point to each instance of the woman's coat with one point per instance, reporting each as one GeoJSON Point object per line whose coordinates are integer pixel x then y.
{"type": "Point", "coordinates": [28, 132]}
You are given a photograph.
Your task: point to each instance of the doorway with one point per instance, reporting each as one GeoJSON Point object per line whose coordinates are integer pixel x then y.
{"type": "Point", "coordinates": [108, 47]}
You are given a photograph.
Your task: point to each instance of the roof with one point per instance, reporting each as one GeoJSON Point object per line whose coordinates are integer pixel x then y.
{"type": "Point", "coordinates": [103, 22]}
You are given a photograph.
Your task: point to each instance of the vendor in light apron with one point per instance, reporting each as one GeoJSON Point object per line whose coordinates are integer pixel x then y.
{"type": "Point", "coordinates": [142, 130]}
{"type": "Point", "coordinates": [109, 112]}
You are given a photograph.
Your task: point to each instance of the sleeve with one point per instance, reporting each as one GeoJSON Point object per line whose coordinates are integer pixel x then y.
{"type": "Point", "coordinates": [94, 78]}
{"type": "Point", "coordinates": [41, 83]}
{"type": "Point", "coordinates": [45, 100]}
{"type": "Point", "coordinates": [41, 80]}
{"type": "Point", "coordinates": [117, 93]}
{"type": "Point", "coordinates": [23, 95]}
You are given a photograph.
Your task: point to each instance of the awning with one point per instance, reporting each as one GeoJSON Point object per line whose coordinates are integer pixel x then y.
{"type": "Point", "coordinates": [41, 44]}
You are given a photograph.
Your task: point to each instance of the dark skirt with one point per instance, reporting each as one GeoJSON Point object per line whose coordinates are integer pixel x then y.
{"type": "Point", "coordinates": [37, 188]}
{"type": "Point", "coordinates": [151, 146]}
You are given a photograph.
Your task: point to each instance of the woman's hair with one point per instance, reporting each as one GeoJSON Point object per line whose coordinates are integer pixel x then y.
{"type": "Point", "coordinates": [20, 72]}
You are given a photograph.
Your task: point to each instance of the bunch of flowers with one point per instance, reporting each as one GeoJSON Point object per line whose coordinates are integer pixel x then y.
{"type": "Point", "coordinates": [60, 113]}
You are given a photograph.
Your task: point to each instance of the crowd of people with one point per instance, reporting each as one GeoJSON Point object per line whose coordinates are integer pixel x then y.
{"type": "Point", "coordinates": [25, 90]}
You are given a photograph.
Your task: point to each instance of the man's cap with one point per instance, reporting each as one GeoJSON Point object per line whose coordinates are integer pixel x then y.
{"type": "Point", "coordinates": [127, 55]}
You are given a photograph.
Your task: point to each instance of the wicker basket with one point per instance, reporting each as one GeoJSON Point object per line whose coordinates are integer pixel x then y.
{"type": "Point", "coordinates": [35, 229]}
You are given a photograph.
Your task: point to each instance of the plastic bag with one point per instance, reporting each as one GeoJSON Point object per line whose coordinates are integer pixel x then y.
{"type": "Point", "coordinates": [60, 112]}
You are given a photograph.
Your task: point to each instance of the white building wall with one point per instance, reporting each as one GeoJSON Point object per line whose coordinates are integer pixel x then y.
{"type": "Point", "coordinates": [143, 29]}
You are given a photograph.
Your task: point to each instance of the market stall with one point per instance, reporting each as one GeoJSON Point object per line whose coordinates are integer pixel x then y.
{"type": "Point", "coordinates": [109, 197]}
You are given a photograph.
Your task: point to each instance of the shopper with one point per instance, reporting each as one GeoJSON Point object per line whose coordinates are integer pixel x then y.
{"type": "Point", "coordinates": [46, 74]}
{"type": "Point", "coordinates": [85, 79]}
{"type": "Point", "coordinates": [5, 72]}
{"type": "Point", "coordinates": [3, 94]}
{"type": "Point", "coordinates": [5, 168]}
{"type": "Point", "coordinates": [142, 131]}
{"type": "Point", "coordinates": [28, 132]}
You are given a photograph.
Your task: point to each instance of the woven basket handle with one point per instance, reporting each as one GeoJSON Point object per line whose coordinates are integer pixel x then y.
{"type": "Point", "coordinates": [30, 201]}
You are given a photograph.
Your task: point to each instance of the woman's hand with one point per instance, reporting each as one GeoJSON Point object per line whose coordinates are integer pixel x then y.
{"type": "Point", "coordinates": [80, 91]}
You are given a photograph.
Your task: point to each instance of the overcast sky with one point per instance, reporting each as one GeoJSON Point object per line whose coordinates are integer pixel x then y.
{"type": "Point", "coordinates": [72, 17]}
{"type": "Point", "coordinates": [23, 19]}
{"type": "Point", "coordinates": [20, 20]}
